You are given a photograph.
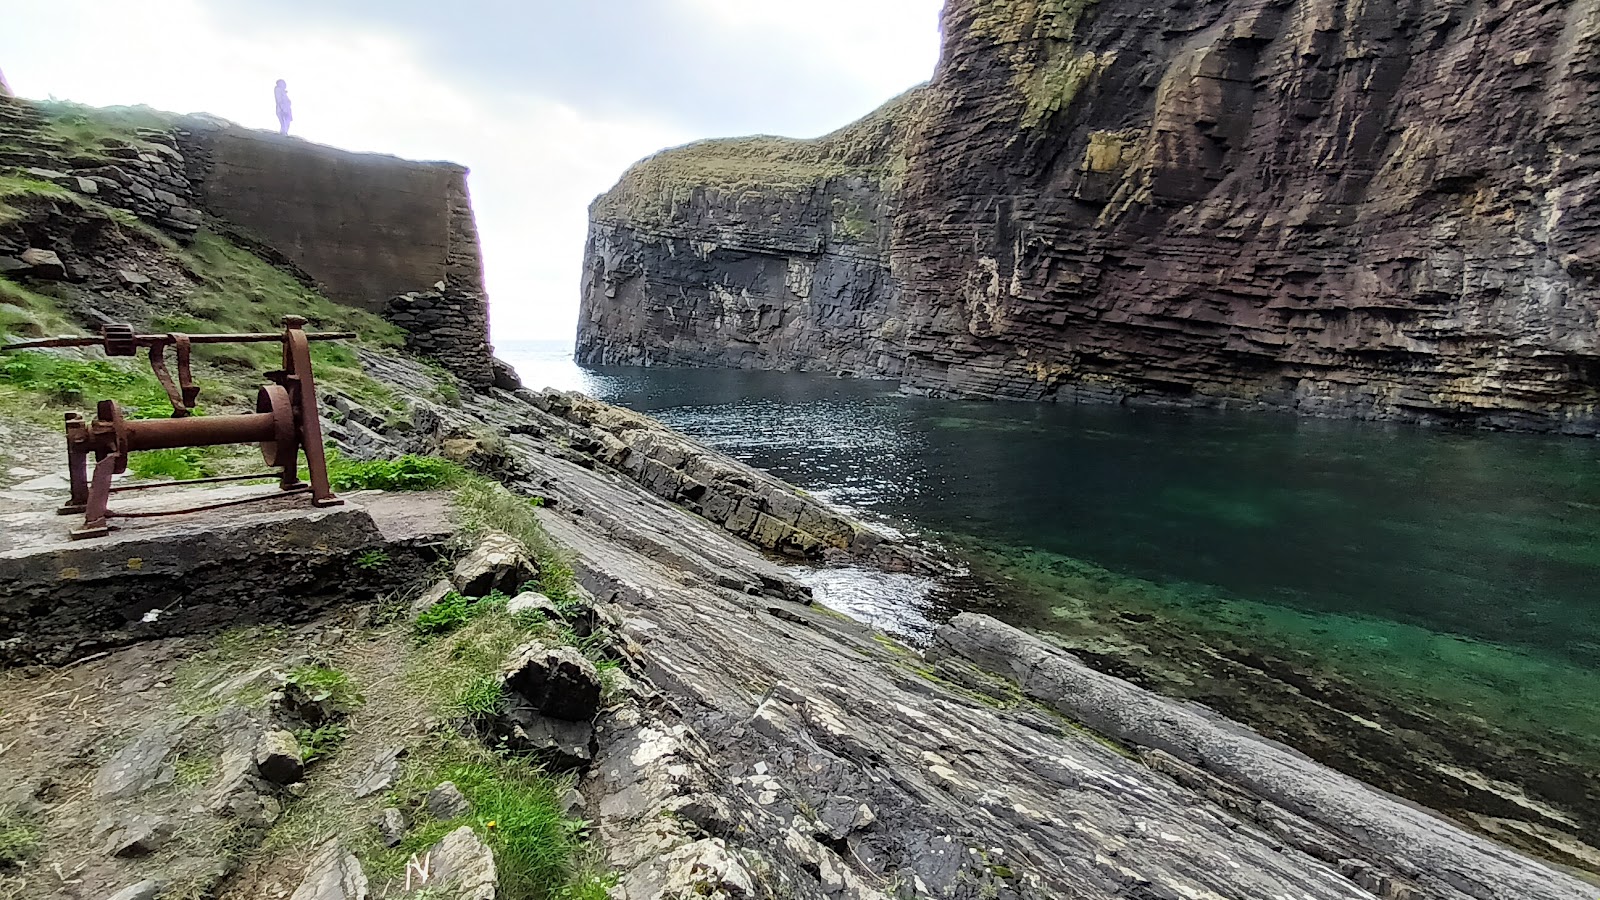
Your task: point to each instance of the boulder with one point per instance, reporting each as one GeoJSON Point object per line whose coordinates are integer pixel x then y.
{"type": "Point", "coordinates": [447, 802]}
{"type": "Point", "coordinates": [459, 867]}
{"type": "Point", "coordinates": [533, 602]}
{"type": "Point", "coordinates": [558, 745]}
{"type": "Point", "coordinates": [497, 563]}
{"type": "Point", "coordinates": [505, 375]}
{"type": "Point", "coordinates": [392, 826]}
{"type": "Point", "coordinates": [334, 874]}
{"type": "Point", "coordinates": [43, 264]}
{"type": "Point", "coordinates": [557, 682]}
{"type": "Point", "coordinates": [278, 758]}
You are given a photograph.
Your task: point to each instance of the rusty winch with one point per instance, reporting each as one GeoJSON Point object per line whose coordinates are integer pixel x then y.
{"type": "Point", "coordinates": [284, 424]}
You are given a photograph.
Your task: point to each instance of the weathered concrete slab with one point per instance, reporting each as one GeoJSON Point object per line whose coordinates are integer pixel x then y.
{"type": "Point", "coordinates": [278, 560]}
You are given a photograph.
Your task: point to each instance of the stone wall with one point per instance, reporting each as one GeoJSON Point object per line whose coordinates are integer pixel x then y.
{"type": "Point", "coordinates": [1329, 206]}
{"type": "Point", "coordinates": [366, 228]}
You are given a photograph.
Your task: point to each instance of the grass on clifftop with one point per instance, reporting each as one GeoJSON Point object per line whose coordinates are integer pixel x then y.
{"type": "Point", "coordinates": [652, 190]}
{"type": "Point", "coordinates": [88, 130]}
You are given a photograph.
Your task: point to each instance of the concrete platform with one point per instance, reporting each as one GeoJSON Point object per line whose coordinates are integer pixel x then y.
{"type": "Point", "coordinates": [278, 560]}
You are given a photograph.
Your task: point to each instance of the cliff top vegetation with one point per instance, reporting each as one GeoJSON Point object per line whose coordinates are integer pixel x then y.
{"type": "Point", "coordinates": [654, 189]}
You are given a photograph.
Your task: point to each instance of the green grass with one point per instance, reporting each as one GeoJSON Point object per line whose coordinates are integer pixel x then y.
{"type": "Point", "coordinates": [37, 377]}
{"type": "Point", "coordinates": [194, 769]}
{"type": "Point", "coordinates": [482, 504]}
{"type": "Point", "coordinates": [655, 189]}
{"type": "Point", "coordinates": [454, 611]}
{"type": "Point", "coordinates": [88, 130]}
{"type": "Point", "coordinates": [321, 742]}
{"type": "Point", "coordinates": [325, 684]}
{"type": "Point", "coordinates": [20, 187]}
{"type": "Point", "coordinates": [19, 838]}
{"type": "Point", "coordinates": [26, 314]}
{"type": "Point", "coordinates": [407, 473]}
{"type": "Point", "coordinates": [177, 464]}
{"type": "Point", "coordinates": [516, 809]}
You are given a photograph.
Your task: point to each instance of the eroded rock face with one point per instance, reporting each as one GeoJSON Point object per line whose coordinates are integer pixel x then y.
{"type": "Point", "coordinates": [1354, 209]}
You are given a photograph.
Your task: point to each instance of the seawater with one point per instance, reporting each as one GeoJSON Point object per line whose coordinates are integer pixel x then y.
{"type": "Point", "coordinates": [1457, 572]}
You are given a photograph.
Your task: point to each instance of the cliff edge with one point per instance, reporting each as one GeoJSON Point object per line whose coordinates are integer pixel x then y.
{"type": "Point", "coordinates": [1346, 209]}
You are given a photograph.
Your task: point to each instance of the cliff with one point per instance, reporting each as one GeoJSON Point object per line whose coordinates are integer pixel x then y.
{"type": "Point", "coordinates": [1377, 210]}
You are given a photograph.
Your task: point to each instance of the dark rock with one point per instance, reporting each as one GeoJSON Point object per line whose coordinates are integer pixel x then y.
{"type": "Point", "coordinates": [278, 758]}
{"type": "Point", "coordinates": [841, 816]}
{"type": "Point", "coordinates": [43, 264]}
{"type": "Point", "coordinates": [560, 745]}
{"type": "Point", "coordinates": [392, 826]}
{"type": "Point", "coordinates": [447, 802]}
{"type": "Point", "coordinates": [557, 682]}
{"type": "Point", "coordinates": [505, 375]}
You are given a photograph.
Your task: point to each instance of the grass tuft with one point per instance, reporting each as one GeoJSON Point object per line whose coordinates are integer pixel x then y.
{"type": "Point", "coordinates": [19, 838]}
{"type": "Point", "coordinates": [407, 473]}
{"type": "Point", "coordinates": [484, 505]}
{"type": "Point", "coordinates": [455, 610]}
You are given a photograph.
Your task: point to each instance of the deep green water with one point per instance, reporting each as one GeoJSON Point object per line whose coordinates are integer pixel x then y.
{"type": "Point", "coordinates": [1459, 572]}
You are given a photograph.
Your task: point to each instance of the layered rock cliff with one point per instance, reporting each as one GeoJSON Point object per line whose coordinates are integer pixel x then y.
{"type": "Point", "coordinates": [1374, 209]}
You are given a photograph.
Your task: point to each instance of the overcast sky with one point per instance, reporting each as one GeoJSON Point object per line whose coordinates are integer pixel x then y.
{"type": "Point", "coordinates": [547, 101]}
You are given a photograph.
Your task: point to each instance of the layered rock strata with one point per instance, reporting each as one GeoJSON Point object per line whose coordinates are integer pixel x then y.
{"type": "Point", "coordinates": [1342, 209]}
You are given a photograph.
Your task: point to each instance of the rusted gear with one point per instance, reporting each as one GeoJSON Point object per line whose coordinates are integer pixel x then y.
{"type": "Point", "coordinates": [118, 339]}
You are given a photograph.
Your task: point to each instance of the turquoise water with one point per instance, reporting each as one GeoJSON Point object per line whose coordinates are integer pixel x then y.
{"type": "Point", "coordinates": [1450, 579]}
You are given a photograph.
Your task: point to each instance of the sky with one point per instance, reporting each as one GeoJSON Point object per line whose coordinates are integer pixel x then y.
{"type": "Point", "coordinates": [547, 101]}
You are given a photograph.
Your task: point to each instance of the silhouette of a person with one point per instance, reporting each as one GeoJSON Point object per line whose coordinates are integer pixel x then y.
{"type": "Point", "coordinates": [280, 93]}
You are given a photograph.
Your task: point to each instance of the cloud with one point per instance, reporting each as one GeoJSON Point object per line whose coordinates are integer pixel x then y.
{"type": "Point", "coordinates": [547, 102]}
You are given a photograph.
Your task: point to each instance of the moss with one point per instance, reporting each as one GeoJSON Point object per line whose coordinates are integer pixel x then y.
{"type": "Point", "coordinates": [652, 191]}
{"type": "Point", "coordinates": [1039, 39]}
{"type": "Point", "coordinates": [19, 838]}
{"type": "Point", "coordinates": [1057, 83]}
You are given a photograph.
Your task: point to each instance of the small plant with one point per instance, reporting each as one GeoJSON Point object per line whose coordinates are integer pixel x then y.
{"type": "Point", "coordinates": [372, 561]}
{"type": "Point", "coordinates": [322, 741]}
{"type": "Point", "coordinates": [454, 611]}
{"type": "Point", "coordinates": [408, 473]}
{"type": "Point", "coordinates": [19, 839]}
{"type": "Point", "coordinates": [479, 698]}
{"type": "Point", "coordinates": [325, 686]}
{"type": "Point", "coordinates": [193, 770]}
{"type": "Point", "coordinates": [178, 464]}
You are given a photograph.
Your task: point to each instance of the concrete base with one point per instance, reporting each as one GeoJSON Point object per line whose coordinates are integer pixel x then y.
{"type": "Point", "coordinates": [278, 560]}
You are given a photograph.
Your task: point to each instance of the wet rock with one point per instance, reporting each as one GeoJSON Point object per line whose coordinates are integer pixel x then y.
{"type": "Point", "coordinates": [460, 867]}
{"type": "Point", "coordinates": [534, 602]}
{"type": "Point", "coordinates": [139, 835]}
{"type": "Point", "coordinates": [278, 758]}
{"type": "Point", "coordinates": [149, 889]}
{"type": "Point", "coordinates": [447, 802]}
{"type": "Point", "coordinates": [557, 682]}
{"type": "Point", "coordinates": [497, 563]}
{"type": "Point", "coordinates": [392, 826]}
{"type": "Point", "coordinates": [333, 874]}
{"type": "Point", "coordinates": [141, 765]}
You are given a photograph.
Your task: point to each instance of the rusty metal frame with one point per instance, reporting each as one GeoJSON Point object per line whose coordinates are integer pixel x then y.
{"type": "Point", "coordinates": [285, 424]}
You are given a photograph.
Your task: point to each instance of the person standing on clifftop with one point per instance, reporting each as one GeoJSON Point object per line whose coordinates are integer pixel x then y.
{"type": "Point", "coordinates": [285, 111]}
